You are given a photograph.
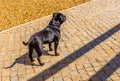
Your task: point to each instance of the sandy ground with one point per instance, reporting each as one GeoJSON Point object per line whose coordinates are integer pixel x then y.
{"type": "Point", "coordinates": [15, 12]}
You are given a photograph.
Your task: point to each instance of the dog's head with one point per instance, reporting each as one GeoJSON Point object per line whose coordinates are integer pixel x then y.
{"type": "Point", "coordinates": [59, 17]}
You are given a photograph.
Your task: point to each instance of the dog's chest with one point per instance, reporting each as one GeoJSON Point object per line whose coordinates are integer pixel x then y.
{"type": "Point", "coordinates": [50, 35]}
{"type": "Point", "coordinates": [50, 39]}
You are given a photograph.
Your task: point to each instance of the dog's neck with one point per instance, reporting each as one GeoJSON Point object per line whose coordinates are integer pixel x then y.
{"type": "Point", "coordinates": [54, 27]}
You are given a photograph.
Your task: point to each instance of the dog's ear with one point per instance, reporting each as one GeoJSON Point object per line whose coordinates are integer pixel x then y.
{"type": "Point", "coordinates": [54, 15]}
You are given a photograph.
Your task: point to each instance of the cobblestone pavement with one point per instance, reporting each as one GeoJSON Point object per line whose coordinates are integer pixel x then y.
{"type": "Point", "coordinates": [89, 47]}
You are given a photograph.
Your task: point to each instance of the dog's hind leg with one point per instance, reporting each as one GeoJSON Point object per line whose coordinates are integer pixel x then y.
{"type": "Point", "coordinates": [39, 52]}
{"type": "Point", "coordinates": [38, 48]}
{"type": "Point", "coordinates": [50, 46]}
{"type": "Point", "coordinates": [30, 53]}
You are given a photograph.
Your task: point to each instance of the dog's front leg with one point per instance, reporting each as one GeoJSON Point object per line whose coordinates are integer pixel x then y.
{"type": "Point", "coordinates": [56, 46]}
{"type": "Point", "coordinates": [50, 46]}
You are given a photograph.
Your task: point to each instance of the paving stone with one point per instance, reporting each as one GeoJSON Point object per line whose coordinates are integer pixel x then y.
{"type": "Point", "coordinates": [95, 64]}
{"type": "Point", "coordinates": [72, 67]}
{"type": "Point", "coordinates": [15, 78]}
{"type": "Point", "coordinates": [97, 68]}
{"type": "Point", "coordinates": [79, 67]}
{"type": "Point", "coordinates": [6, 73]}
{"type": "Point", "coordinates": [65, 72]}
{"type": "Point", "coordinates": [6, 79]}
{"type": "Point", "coordinates": [22, 77]}
{"type": "Point", "coordinates": [68, 79]}
{"type": "Point", "coordinates": [102, 63]}
{"type": "Point", "coordinates": [84, 77]}
{"type": "Point", "coordinates": [87, 65]}
{"type": "Point", "coordinates": [49, 79]}
{"type": "Point", "coordinates": [118, 71]}
{"type": "Point", "coordinates": [1, 64]}
{"type": "Point", "coordinates": [89, 69]}
{"type": "Point", "coordinates": [91, 73]}
{"type": "Point", "coordinates": [13, 73]}
{"type": "Point", "coordinates": [74, 73]}
{"type": "Point", "coordinates": [58, 74]}
{"type": "Point", "coordinates": [115, 77]}
{"type": "Point", "coordinates": [100, 59]}
{"type": "Point", "coordinates": [58, 79]}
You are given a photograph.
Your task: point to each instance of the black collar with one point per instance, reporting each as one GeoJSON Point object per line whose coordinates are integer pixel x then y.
{"type": "Point", "coordinates": [54, 27]}
{"type": "Point", "coordinates": [54, 22]}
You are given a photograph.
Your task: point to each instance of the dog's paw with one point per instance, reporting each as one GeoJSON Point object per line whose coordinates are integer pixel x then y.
{"type": "Point", "coordinates": [57, 54]}
{"type": "Point", "coordinates": [32, 60]}
{"type": "Point", "coordinates": [41, 64]}
{"type": "Point", "coordinates": [51, 50]}
{"type": "Point", "coordinates": [32, 63]}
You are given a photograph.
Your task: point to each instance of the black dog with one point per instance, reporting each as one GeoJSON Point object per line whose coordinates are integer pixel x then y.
{"type": "Point", "coordinates": [48, 35]}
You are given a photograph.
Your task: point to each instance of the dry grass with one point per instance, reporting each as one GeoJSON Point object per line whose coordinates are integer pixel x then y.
{"type": "Point", "coordinates": [15, 12]}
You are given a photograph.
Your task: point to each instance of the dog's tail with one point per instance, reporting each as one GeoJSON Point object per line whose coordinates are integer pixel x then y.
{"type": "Point", "coordinates": [25, 43]}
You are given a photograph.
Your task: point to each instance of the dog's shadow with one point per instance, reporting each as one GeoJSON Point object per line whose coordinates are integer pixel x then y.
{"type": "Point", "coordinates": [24, 59]}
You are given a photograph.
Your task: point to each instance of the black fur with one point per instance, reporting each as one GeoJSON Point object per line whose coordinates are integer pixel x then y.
{"type": "Point", "coordinates": [48, 35]}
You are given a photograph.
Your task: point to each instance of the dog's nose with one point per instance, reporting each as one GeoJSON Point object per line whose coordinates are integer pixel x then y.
{"type": "Point", "coordinates": [64, 18]}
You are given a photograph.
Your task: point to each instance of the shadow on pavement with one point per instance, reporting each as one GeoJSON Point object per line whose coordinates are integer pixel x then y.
{"type": "Point", "coordinates": [47, 73]}
{"type": "Point", "coordinates": [24, 59]}
{"type": "Point", "coordinates": [105, 72]}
